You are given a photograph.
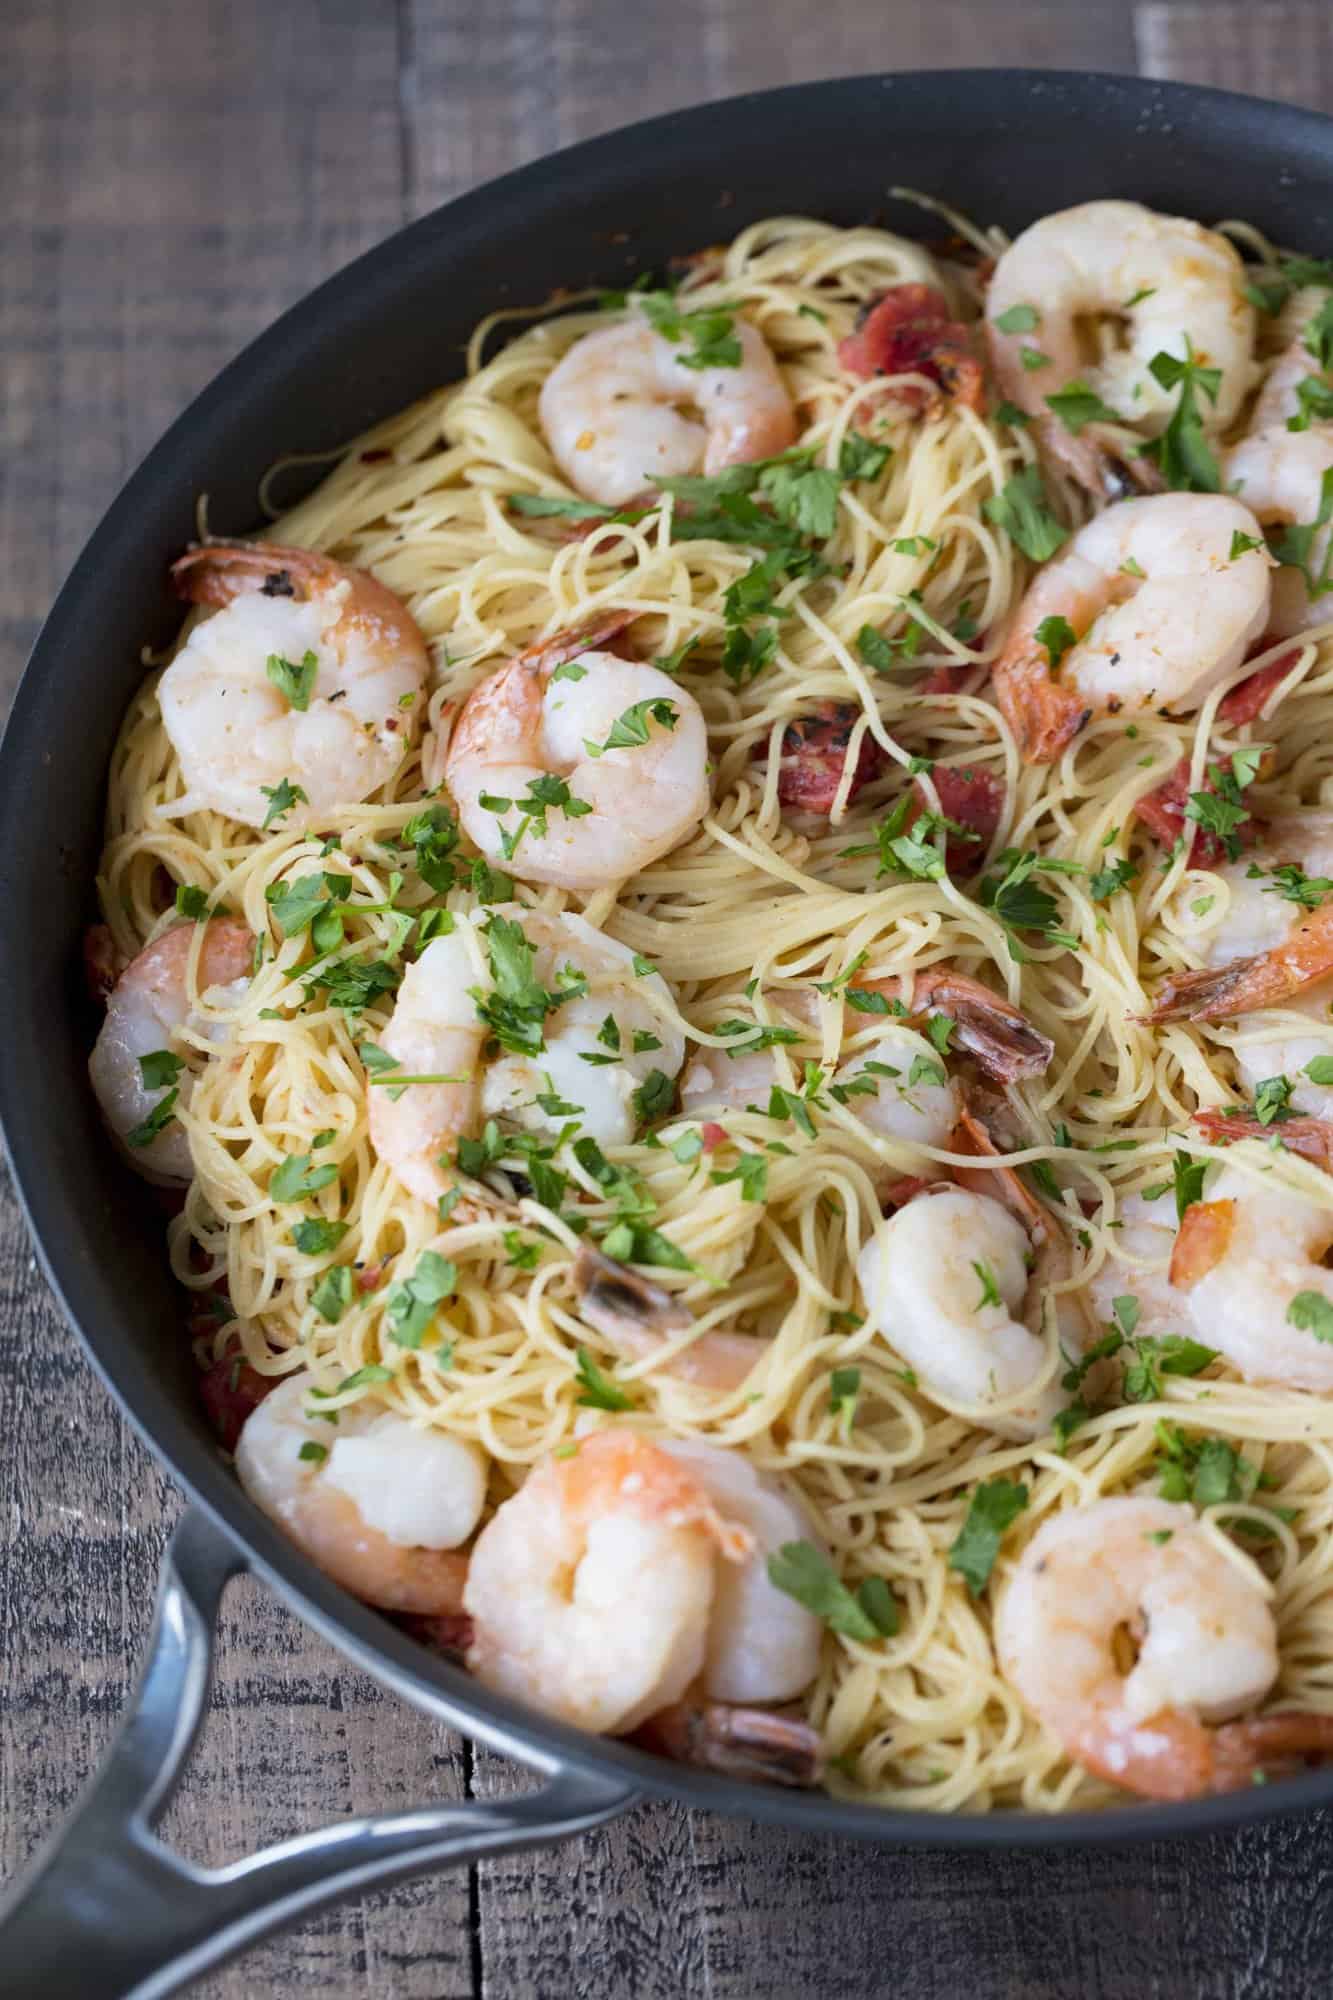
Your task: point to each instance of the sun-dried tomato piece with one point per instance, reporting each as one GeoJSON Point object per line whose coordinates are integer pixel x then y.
{"type": "Point", "coordinates": [1163, 813]}
{"type": "Point", "coordinates": [907, 330]}
{"type": "Point", "coordinates": [1248, 697]}
{"type": "Point", "coordinates": [231, 1389]}
{"type": "Point", "coordinates": [974, 797]}
{"type": "Point", "coordinates": [814, 753]}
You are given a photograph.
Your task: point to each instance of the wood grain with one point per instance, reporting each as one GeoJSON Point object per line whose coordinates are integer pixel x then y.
{"type": "Point", "coordinates": [1277, 48]}
{"type": "Point", "coordinates": [173, 177]}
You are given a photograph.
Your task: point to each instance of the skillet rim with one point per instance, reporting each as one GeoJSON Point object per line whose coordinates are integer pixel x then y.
{"type": "Point", "coordinates": [358, 1632]}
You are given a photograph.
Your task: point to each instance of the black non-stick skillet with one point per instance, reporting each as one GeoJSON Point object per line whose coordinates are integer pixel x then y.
{"type": "Point", "coordinates": [107, 1910]}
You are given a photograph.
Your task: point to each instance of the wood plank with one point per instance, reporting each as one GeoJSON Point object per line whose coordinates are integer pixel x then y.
{"type": "Point", "coordinates": [174, 178]}
{"type": "Point", "coordinates": [1283, 49]}
{"type": "Point", "coordinates": [494, 86]}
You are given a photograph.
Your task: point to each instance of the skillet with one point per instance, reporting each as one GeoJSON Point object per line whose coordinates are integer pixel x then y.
{"type": "Point", "coordinates": [106, 1909]}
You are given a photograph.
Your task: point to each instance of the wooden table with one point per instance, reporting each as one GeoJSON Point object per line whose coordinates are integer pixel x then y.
{"type": "Point", "coordinates": [171, 176]}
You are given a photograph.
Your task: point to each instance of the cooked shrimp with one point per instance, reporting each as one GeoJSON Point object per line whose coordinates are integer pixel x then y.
{"type": "Point", "coordinates": [1160, 609]}
{"type": "Point", "coordinates": [1256, 921]}
{"type": "Point", "coordinates": [899, 1088]}
{"type": "Point", "coordinates": [1242, 1259]}
{"type": "Point", "coordinates": [379, 1504]}
{"type": "Point", "coordinates": [591, 1590]}
{"type": "Point", "coordinates": [151, 1006]}
{"type": "Point", "coordinates": [753, 1744]}
{"type": "Point", "coordinates": [530, 725]}
{"type": "Point", "coordinates": [1280, 475]}
{"type": "Point", "coordinates": [1207, 1650]}
{"type": "Point", "coordinates": [308, 672]}
{"type": "Point", "coordinates": [920, 1109]}
{"type": "Point", "coordinates": [1169, 283]}
{"type": "Point", "coordinates": [762, 1645]}
{"type": "Point", "coordinates": [639, 1319]}
{"type": "Point", "coordinates": [946, 1281]}
{"type": "Point", "coordinates": [437, 1032]}
{"type": "Point", "coordinates": [1139, 1267]}
{"type": "Point", "coordinates": [613, 411]}
{"type": "Point", "coordinates": [1279, 399]}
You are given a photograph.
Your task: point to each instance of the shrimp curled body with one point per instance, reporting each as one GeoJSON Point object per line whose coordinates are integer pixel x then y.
{"type": "Point", "coordinates": [436, 1034]}
{"type": "Point", "coordinates": [631, 802]}
{"type": "Point", "coordinates": [237, 730]}
{"type": "Point", "coordinates": [614, 411]}
{"type": "Point", "coordinates": [1206, 1636]}
{"type": "Point", "coordinates": [382, 1506]}
{"type": "Point", "coordinates": [1171, 284]}
{"type": "Point", "coordinates": [150, 1007]}
{"type": "Point", "coordinates": [1161, 612]}
{"type": "Point", "coordinates": [596, 1593]}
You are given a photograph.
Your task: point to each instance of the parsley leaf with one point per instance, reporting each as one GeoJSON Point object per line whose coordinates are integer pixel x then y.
{"type": "Point", "coordinates": [1019, 319]}
{"type": "Point", "coordinates": [631, 729]}
{"type": "Point", "coordinates": [1020, 509]}
{"type": "Point", "coordinates": [711, 334]}
{"type": "Point", "coordinates": [1057, 635]}
{"type": "Point", "coordinates": [294, 1178]}
{"type": "Point", "coordinates": [1077, 406]}
{"type": "Point", "coordinates": [1312, 1313]}
{"type": "Point", "coordinates": [281, 798]}
{"type": "Point", "coordinates": [1106, 881]}
{"type": "Point", "coordinates": [411, 1305]}
{"type": "Point", "coordinates": [801, 1571]}
{"type": "Point", "coordinates": [751, 1170]}
{"type": "Point", "coordinates": [654, 1096]}
{"type": "Point", "coordinates": [994, 1507]}
{"type": "Point", "coordinates": [1188, 1176]}
{"type": "Point", "coordinates": [331, 1298]}
{"type": "Point", "coordinates": [844, 1388]}
{"type": "Point", "coordinates": [858, 458]}
{"type": "Point", "coordinates": [295, 683]}
{"type": "Point", "coordinates": [158, 1118]}
{"type": "Point", "coordinates": [1272, 1099]}
{"type": "Point", "coordinates": [1182, 452]}
{"type": "Point", "coordinates": [160, 1069]}
{"type": "Point", "coordinates": [599, 1391]}
{"type": "Point", "coordinates": [316, 1235]}
{"type": "Point", "coordinates": [434, 835]}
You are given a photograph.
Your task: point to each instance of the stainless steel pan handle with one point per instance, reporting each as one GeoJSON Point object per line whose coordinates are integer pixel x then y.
{"type": "Point", "coordinates": [106, 1911]}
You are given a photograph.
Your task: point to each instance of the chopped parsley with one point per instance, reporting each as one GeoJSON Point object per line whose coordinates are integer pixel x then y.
{"type": "Point", "coordinates": [751, 1171]}
{"type": "Point", "coordinates": [710, 336]}
{"type": "Point", "coordinates": [1311, 1312]}
{"type": "Point", "coordinates": [1019, 319]}
{"type": "Point", "coordinates": [317, 1235]}
{"type": "Point", "coordinates": [631, 729]}
{"type": "Point", "coordinates": [1188, 1177]}
{"type": "Point", "coordinates": [157, 1120]}
{"type": "Point", "coordinates": [281, 798]}
{"type": "Point", "coordinates": [1182, 452]}
{"type": "Point", "coordinates": [411, 1305]}
{"type": "Point", "coordinates": [295, 683]}
{"type": "Point", "coordinates": [599, 1392]}
{"type": "Point", "coordinates": [844, 1388]}
{"type": "Point", "coordinates": [1057, 635]}
{"type": "Point", "coordinates": [331, 1298]}
{"type": "Point", "coordinates": [801, 1571]}
{"type": "Point", "coordinates": [160, 1069]}
{"type": "Point", "coordinates": [993, 1509]}
{"type": "Point", "coordinates": [1020, 509]}
{"type": "Point", "coordinates": [990, 1291]}
{"type": "Point", "coordinates": [1077, 406]}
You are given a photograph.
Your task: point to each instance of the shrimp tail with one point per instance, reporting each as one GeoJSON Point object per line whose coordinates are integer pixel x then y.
{"type": "Point", "coordinates": [610, 1294]}
{"type": "Point", "coordinates": [972, 1137]}
{"type": "Point", "coordinates": [1005, 1046]}
{"type": "Point", "coordinates": [1268, 1746]}
{"type": "Point", "coordinates": [1264, 980]}
{"type": "Point", "coordinates": [1201, 1241]}
{"type": "Point", "coordinates": [594, 636]}
{"type": "Point", "coordinates": [1044, 715]}
{"type": "Point", "coordinates": [760, 1745]}
{"type": "Point", "coordinates": [1312, 1138]}
{"type": "Point", "coordinates": [216, 572]}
